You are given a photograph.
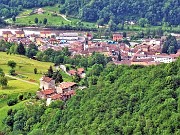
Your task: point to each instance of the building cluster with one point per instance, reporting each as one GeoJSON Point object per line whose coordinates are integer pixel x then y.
{"type": "Point", "coordinates": [147, 52]}
{"type": "Point", "coordinates": [51, 91]}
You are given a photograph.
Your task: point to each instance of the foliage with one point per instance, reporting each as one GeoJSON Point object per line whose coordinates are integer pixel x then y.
{"type": "Point", "coordinates": [170, 45]}
{"type": "Point", "coordinates": [119, 11]}
{"type": "Point", "coordinates": [12, 102]}
{"type": "Point", "coordinates": [11, 64]}
{"type": "Point", "coordinates": [124, 100]}
{"type": "Point", "coordinates": [20, 49]}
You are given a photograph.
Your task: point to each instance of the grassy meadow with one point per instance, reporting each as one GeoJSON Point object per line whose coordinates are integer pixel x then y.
{"type": "Point", "coordinates": [25, 18]}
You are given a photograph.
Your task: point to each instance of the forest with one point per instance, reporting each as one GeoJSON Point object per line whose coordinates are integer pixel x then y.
{"type": "Point", "coordinates": [119, 100]}
{"type": "Point", "coordinates": [111, 12]}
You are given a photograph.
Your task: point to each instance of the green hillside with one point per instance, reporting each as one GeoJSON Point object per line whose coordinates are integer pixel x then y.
{"type": "Point", "coordinates": [26, 82]}
{"type": "Point", "coordinates": [126, 100]}
{"type": "Point", "coordinates": [105, 11]}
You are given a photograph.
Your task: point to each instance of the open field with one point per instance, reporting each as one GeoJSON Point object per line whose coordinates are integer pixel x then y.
{"type": "Point", "coordinates": [25, 66]}
{"type": "Point", "coordinates": [52, 15]}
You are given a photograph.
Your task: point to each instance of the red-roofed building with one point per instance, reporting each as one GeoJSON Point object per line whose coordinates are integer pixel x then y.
{"type": "Point", "coordinates": [44, 94]}
{"type": "Point", "coordinates": [20, 34]}
{"type": "Point", "coordinates": [7, 34]}
{"type": "Point", "coordinates": [117, 37]}
{"type": "Point", "coordinates": [45, 34]}
{"type": "Point", "coordinates": [65, 87]}
{"type": "Point", "coordinates": [56, 97]}
{"type": "Point", "coordinates": [47, 83]}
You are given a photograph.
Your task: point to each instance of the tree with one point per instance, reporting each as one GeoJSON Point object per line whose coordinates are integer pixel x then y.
{"type": "Point", "coordinates": [50, 72]}
{"type": "Point", "coordinates": [170, 45]}
{"type": "Point", "coordinates": [13, 18]}
{"type": "Point", "coordinates": [11, 64]}
{"type": "Point", "coordinates": [1, 73]}
{"type": "Point", "coordinates": [119, 56]}
{"type": "Point", "coordinates": [76, 78]}
{"type": "Point", "coordinates": [57, 77]}
{"type": "Point", "coordinates": [20, 49]}
{"type": "Point", "coordinates": [124, 35]}
{"type": "Point", "coordinates": [35, 70]}
{"type": "Point", "coordinates": [36, 20]}
{"type": "Point", "coordinates": [45, 21]}
{"type": "Point", "coordinates": [3, 82]}
{"type": "Point", "coordinates": [143, 22]}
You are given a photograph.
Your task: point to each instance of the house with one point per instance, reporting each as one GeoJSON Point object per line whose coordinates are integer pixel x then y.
{"type": "Point", "coordinates": [65, 87]}
{"type": "Point", "coordinates": [7, 34]}
{"type": "Point", "coordinates": [20, 34]}
{"type": "Point", "coordinates": [117, 37]}
{"type": "Point", "coordinates": [79, 71]}
{"type": "Point", "coordinates": [45, 34]}
{"type": "Point", "coordinates": [164, 58]}
{"type": "Point", "coordinates": [68, 36]}
{"type": "Point", "coordinates": [47, 83]}
{"type": "Point", "coordinates": [44, 94]}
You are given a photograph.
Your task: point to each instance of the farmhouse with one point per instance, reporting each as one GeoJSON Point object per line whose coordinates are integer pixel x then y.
{"type": "Point", "coordinates": [65, 87]}
{"type": "Point", "coordinates": [47, 83]}
{"type": "Point", "coordinates": [7, 34]}
{"type": "Point", "coordinates": [20, 34]}
{"type": "Point", "coordinates": [117, 37]}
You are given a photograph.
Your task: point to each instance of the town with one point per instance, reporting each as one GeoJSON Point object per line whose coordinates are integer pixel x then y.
{"type": "Point", "coordinates": [145, 52]}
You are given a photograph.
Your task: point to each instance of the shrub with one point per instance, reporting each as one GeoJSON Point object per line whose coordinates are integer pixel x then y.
{"type": "Point", "coordinates": [12, 72]}
{"type": "Point", "coordinates": [12, 102]}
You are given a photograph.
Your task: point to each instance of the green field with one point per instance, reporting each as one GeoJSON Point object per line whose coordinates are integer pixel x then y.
{"type": "Point", "coordinates": [25, 18]}
{"type": "Point", "coordinates": [25, 69]}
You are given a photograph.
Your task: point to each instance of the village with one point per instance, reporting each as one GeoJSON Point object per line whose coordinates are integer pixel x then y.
{"type": "Point", "coordinates": [147, 52]}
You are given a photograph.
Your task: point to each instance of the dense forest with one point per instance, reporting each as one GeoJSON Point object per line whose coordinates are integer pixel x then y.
{"type": "Point", "coordinates": [105, 11]}
{"type": "Point", "coordinates": [119, 100]}
{"type": "Point", "coordinates": [153, 12]}
{"type": "Point", "coordinates": [9, 8]}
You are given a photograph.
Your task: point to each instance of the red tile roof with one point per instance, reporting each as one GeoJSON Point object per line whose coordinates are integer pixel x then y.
{"type": "Point", "coordinates": [80, 69]}
{"type": "Point", "coordinates": [19, 32]}
{"type": "Point", "coordinates": [47, 91]}
{"type": "Point", "coordinates": [72, 72]}
{"type": "Point", "coordinates": [56, 96]}
{"type": "Point", "coordinates": [6, 32]}
{"type": "Point", "coordinates": [46, 79]}
{"type": "Point", "coordinates": [69, 93]}
{"type": "Point", "coordinates": [45, 32]}
{"type": "Point", "coordinates": [65, 85]}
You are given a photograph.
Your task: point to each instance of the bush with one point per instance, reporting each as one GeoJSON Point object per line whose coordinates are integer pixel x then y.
{"type": "Point", "coordinates": [12, 72]}
{"type": "Point", "coordinates": [20, 97]}
{"type": "Point", "coordinates": [12, 102]}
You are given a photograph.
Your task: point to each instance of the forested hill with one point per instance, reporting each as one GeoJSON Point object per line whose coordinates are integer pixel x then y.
{"type": "Point", "coordinates": [123, 10]}
{"type": "Point", "coordinates": [126, 100]}
{"type": "Point", "coordinates": [154, 12]}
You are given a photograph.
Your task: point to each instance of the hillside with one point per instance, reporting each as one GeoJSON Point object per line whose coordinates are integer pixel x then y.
{"type": "Point", "coordinates": [105, 11]}
{"type": "Point", "coordinates": [26, 82]}
{"type": "Point", "coordinates": [126, 100]}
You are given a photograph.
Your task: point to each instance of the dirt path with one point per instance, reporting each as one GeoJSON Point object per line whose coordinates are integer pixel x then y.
{"type": "Point", "coordinates": [63, 16]}
{"type": "Point", "coordinates": [22, 80]}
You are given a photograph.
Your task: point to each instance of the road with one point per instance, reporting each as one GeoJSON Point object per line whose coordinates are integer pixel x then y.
{"type": "Point", "coordinates": [21, 80]}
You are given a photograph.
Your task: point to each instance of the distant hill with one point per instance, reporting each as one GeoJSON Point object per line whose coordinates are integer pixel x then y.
{"type": "Point", "coordinates": [104, 11]}
{"type": "Point", "coordinates": [126, 100]}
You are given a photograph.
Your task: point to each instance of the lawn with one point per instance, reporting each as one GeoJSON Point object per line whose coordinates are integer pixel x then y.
{"type": "Point", "coordinates": [51, 19]}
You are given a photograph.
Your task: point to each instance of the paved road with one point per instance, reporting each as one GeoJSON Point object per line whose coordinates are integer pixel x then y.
{"type": "Point", "coordinates": [22, 80]}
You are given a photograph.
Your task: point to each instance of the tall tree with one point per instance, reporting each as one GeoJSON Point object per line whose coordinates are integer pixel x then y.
{"type": "Point", "coordinates": [36, 20]}
{"type": "Point", "coordinates": [20, 49]}
{"type": "Point", "coordinates": [11, 64]}
{"type": "Point", "coordinates": [45, 21]}
{"type": "Point", "coordinates": [50, 72]}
